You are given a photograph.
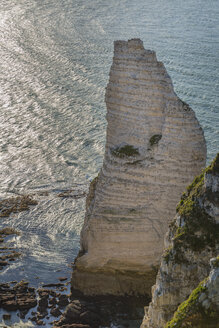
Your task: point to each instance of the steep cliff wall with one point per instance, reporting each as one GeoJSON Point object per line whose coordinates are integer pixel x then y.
{"type": "Point", "coordinates": [154, 148]}
{"type": "Point", "coordinates": [201, 309]}
{"type": "Point", "coordinates": [192, 240]}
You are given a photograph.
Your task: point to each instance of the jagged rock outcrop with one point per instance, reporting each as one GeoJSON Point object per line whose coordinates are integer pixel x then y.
{"type": "Point", "coordinates": [154, 148]}
{"type": "Point", "coordinates": [192, 240]}
{"type": "Point", "coordinates": [201, 309]}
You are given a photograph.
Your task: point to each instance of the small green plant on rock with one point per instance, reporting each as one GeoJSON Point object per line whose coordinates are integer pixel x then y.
{"type": "Point", "coordinates": [155, 139]}
{"type": "Point", "coordinates": [125, 151]}
{"type": "Point", "coordinates": [199, 231]}
{"type": "Point", "coordinates": [191, 313]}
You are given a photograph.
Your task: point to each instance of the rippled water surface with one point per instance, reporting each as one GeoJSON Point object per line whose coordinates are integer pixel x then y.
{"type": "Point", "coordinates": [55, 57]}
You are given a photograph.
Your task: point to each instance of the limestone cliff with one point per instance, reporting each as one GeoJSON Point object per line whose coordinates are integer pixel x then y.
{"type": "Point", "coordinates": [201, 309]}
{"type": "Point", "coordinates": [192, 240]}
{"type": "Point", "coordinates": [154, 148]}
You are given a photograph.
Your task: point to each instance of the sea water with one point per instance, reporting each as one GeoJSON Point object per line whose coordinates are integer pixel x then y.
{"type": "Point", "coordinates": [55, 57]}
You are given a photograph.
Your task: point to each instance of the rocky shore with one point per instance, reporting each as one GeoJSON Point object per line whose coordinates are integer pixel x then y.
{"type": "Point", "coordinates": [154, 148]}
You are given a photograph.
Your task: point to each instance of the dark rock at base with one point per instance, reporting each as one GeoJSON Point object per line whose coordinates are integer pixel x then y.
{"type": "Point", "coordinates": [34, 318]}
{"type": "Point", "coordinates": [41, 315]}
{"type": "Point", "coordinates": [6, 316]}
{"type": "Point", "coordinates": [90, 318]}
{"type": "Point", "coordinates": [52, 301]}
{"type": "Point", "coordinates": [26, 303]}
{"type": "Point", "coordinates": [42, 309]}
{"type": "Point", "coordinates": [40, 323]}
{"type": "Point", "coordinates": [23, 314]}
{"type": "Point", "coordinates": [55, 312]}
{"type": "Point", "coordinates": [72, 312]}
{"type": "Point", "coordinates": [74, 325]}
{"type": "Point", "coordinates": [17, 297]}
{"type": "Point", "coordinates": [52, 293]}
{"type": "Point", "coordinates": [10, 305]}
{"type": "Point", "coordinates": [4, 286]}
{"type": "Point", "coordinates": [43, 302]}
{"type": "Point", "coordinates": [54, 285]}
{"type": "Point", "coordinates": [62, 278]}
{"type": "Point", "coordinates": [63, 301]}
{"type": "Point", "coordinates": [43, 293]}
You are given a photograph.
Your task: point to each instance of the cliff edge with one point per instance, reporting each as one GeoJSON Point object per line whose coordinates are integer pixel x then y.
{"type": "Point", "coordinates": [201, 309]}
{"type": "Point", "coordinates": [154, 148]}
{"type": "Point", "coordinates": [192, 240]}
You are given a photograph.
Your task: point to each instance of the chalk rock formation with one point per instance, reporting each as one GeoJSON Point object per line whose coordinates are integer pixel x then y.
{"type": "Point", "coordinates": [201, 309]}
{"type": "Point", "coordinates": [192, 240]}
{"type": "Point", "coordinates": [154, 148]}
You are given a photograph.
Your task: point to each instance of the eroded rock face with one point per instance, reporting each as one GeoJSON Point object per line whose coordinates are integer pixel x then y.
{"type": "Point", "coordinates": [201, 309]}
{"type": "Point", "coordinates": [192, 240]}
{"type": "Point", "coordinates": [154, 148]}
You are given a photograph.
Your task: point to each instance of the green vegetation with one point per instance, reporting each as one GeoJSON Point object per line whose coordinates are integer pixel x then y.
{"type": "Point", "coordinates": [155, 139]}
{"type": "Point", "coordinates": [125, 151]}
{"type": "Point", "coordinates": [191, 313]}
{"type": "Point", "coordinates": [199, 230]}
{"type": "Point", "coordinates": [213, 168]}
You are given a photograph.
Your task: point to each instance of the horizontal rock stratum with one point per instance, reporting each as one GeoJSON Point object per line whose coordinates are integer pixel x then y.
{"type": "Point", "coordinates": [154, 148]}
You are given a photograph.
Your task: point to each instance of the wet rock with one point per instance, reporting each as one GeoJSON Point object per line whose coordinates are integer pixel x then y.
{"type": "Point", "coordinates": [16, 204]}
{"type": "Point", "coordinates": [40, 323]}
{"type": "Point", "coordinates": [63, 301]}
{"type": "Point", "coordinates": [21, 287]}
{"type": "Point", "coordinates": [90, 318]}
{"type": "Point", "coordinates": [23, 313]}
{"type": "Point", "coordinates": [17, 297]}
{"type": "Point", "coordinates": [54, 285]}
{"type": "Point", "coordinates": [26, 303]}
{"type": "Point", "coordinates": [4, 286]}
{"type": "Point", "coordinates": [62, 278]}
{"type": "Point", "coordinates": [10, 305]}
{"type": "Point", "coordinates": [72, 312]}
{"type": "Point", "coordinates": [55, 312]}
{"type": "Point", "coordinates": [42, 309]}
{"type": "Point", "coordinates": [52, 293]}
{"type": "Point", "coordinates": [41, 315]}
{"type": "Point", "coordinates": [52, 301]}
{"type": "Point", "coordinates": [34, 318]}
{"type": "Point", "coordinates": [43, 302]}
{"type": "Point", "coordinates": [43, 293]}
{"type": "Point", "coordinates": [6, 316]}
{"type": "Point", "coordinates": [72, 325]}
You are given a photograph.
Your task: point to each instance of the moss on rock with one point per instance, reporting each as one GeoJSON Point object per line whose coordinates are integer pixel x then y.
{"type": "Point", "coordinates": [213, 168]}
{"type": "Point", "coordinates": [125, 151]}
{"type": "Point", "coordinates": [197, 230]}
{"type": "Point", "coordinates": [192, 313]}
{"type": "Point", "coordinates": [155, 139]}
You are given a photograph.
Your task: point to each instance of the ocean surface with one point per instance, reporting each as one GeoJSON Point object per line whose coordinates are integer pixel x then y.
{"type": "Point", "coordinates": [55, 57]}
